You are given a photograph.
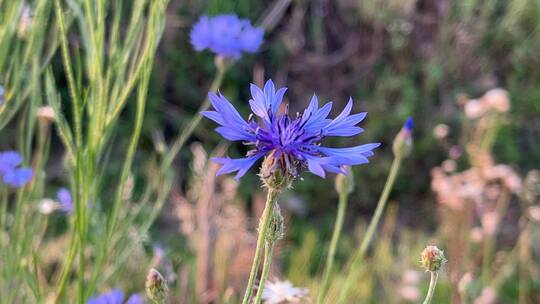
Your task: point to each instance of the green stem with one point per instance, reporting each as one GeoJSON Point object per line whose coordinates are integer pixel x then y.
{"type": "Point", "coordinates": [432, 284]}
{"type": "Point", "coordinates": [194, 122]}
{"type": "Point", "coordinates": [66, 269]}
{"type": "Point", "coordinates": [342, 206]}
{"type": "Point", "coordinates": [379, 210]}
{"type": "Point", "coordinates": [370, 233]}
{"type": "Point", "coordinates": [487, 250]}
{"type": "Point", "coordinates": [271, 199]}
{"type": "Point", "coordinates": [3, 207]}
{"type": "Point", "coordinates": [268, 252]}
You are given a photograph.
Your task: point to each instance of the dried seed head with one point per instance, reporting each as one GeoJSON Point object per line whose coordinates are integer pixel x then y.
{"type": "Point", "coordinates": [432, 259]}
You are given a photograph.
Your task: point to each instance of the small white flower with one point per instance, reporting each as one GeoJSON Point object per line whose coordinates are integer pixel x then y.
{"type": "Point", "coordinates": [278, 292]}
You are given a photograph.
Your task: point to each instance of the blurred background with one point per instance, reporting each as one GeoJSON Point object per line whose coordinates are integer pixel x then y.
{"type": "Point", "coordinates": [396, 58]}
{"type": "Point", "coordinates": [467, 71]}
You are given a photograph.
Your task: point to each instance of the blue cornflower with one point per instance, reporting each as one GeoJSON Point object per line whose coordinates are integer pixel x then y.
{"type": "Point", "coordinates": [115, 296]}
{"type": "Point", "coordinates": [226, 35]}
{"type": "Point", "coordinates": [10, 171]}
{"type": "Point", "coordinates": [64, 198]}
{"type": "Point", "coordinates": [292, 143]}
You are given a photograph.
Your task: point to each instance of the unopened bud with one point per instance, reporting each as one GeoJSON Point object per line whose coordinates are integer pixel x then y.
{"type": "Point", "coordinates": [432, 259]}
{"type": "Point", "coordinates": [276, 229]}
{"type": "Point", "coordinates": [345, 182]}
{"type": "Point", "coordinates": [156, 287]}
{"type": "Point", "coordinates": [402, 145]}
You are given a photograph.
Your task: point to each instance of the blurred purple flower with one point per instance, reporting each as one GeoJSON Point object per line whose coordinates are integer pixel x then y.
{"type": "Point", "coordinates": [294, 142]}
{"type": "Point", "coordinates": [11, 174]}
{"type": "Point", "coordinates": [2, 92]}
{"type": "Point", "coordinates": [64, 198]}
{"type": "Point", "coordinates": [9, 160]}
{"type": "Point", "coordinates": [226, 35]}
{"type": "Point", "coordinates": [135, 299]}
{"type": "Point", "coordinates": [115, 296]}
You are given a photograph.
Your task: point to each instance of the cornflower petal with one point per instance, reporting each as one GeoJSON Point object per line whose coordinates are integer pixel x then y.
{"type": "Point", "coordinates": [242, 165]}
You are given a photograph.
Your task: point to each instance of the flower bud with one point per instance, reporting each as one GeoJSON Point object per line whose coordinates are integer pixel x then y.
{"type": "Point", "coordinates": [345, 182]}
{"type": "Point", "coordinates": [276, 229]}
{"type": "Point", "coordinates": [432, 259]}
{"type": "Point", "coordinates": [156, 286]}
{"type": "Point", "coordinates": [402, 145]}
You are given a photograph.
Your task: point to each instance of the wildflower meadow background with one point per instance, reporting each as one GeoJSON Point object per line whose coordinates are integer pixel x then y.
{"type": "Point", "coordinates": [168, 151]}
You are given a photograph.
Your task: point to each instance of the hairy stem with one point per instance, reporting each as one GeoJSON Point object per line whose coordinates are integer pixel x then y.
{"type": "Point", "coordinates": [268, 252]}
{"type": "Point", "coordinates": [271, 199]}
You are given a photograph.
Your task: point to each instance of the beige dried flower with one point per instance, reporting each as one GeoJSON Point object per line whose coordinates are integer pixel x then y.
{"type": "Point", "coordinates": [475, 108]}
{"type": "Point", "coordinates": [488, 296]}
{"type": "Point", "coordinates": [441, 131]}
{"type": "Point", "coordinates": [497, 99]}
{"type": "Point", "coordinates": [409, 293]}
{"type": "Point", "coordinates": [476, 235]}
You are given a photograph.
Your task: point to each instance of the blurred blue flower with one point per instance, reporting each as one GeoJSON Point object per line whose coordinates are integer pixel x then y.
{"type": "Point", "coordinates": [294, 142]}
{"type": "Point", "coordinates": [64, 198]}
{"type": "Point", "coordinates": [226, 35]}
{"type": "Point", "coordinates": [2, 91]}
{"type": "Point", "coordinates": [115, 296]}
{"type": "Point", "coordinates": [135, 299]}
{"type": "Point", "coordinates": [10, 172]}
{"type": "Point", "coordinates": [409, 124]}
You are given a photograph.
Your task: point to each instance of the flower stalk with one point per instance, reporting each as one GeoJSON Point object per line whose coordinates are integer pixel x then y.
{"type": "Point", "coordinates": [344, 186]}
{"type": "Point", "coordinates": [432, 284]}
{"type": "Point", "coordinates": [274, 233]}
{"type": "Point", "coordinates": [401, 148]}
{"type": "Point", "coordinates": [264, 222]}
